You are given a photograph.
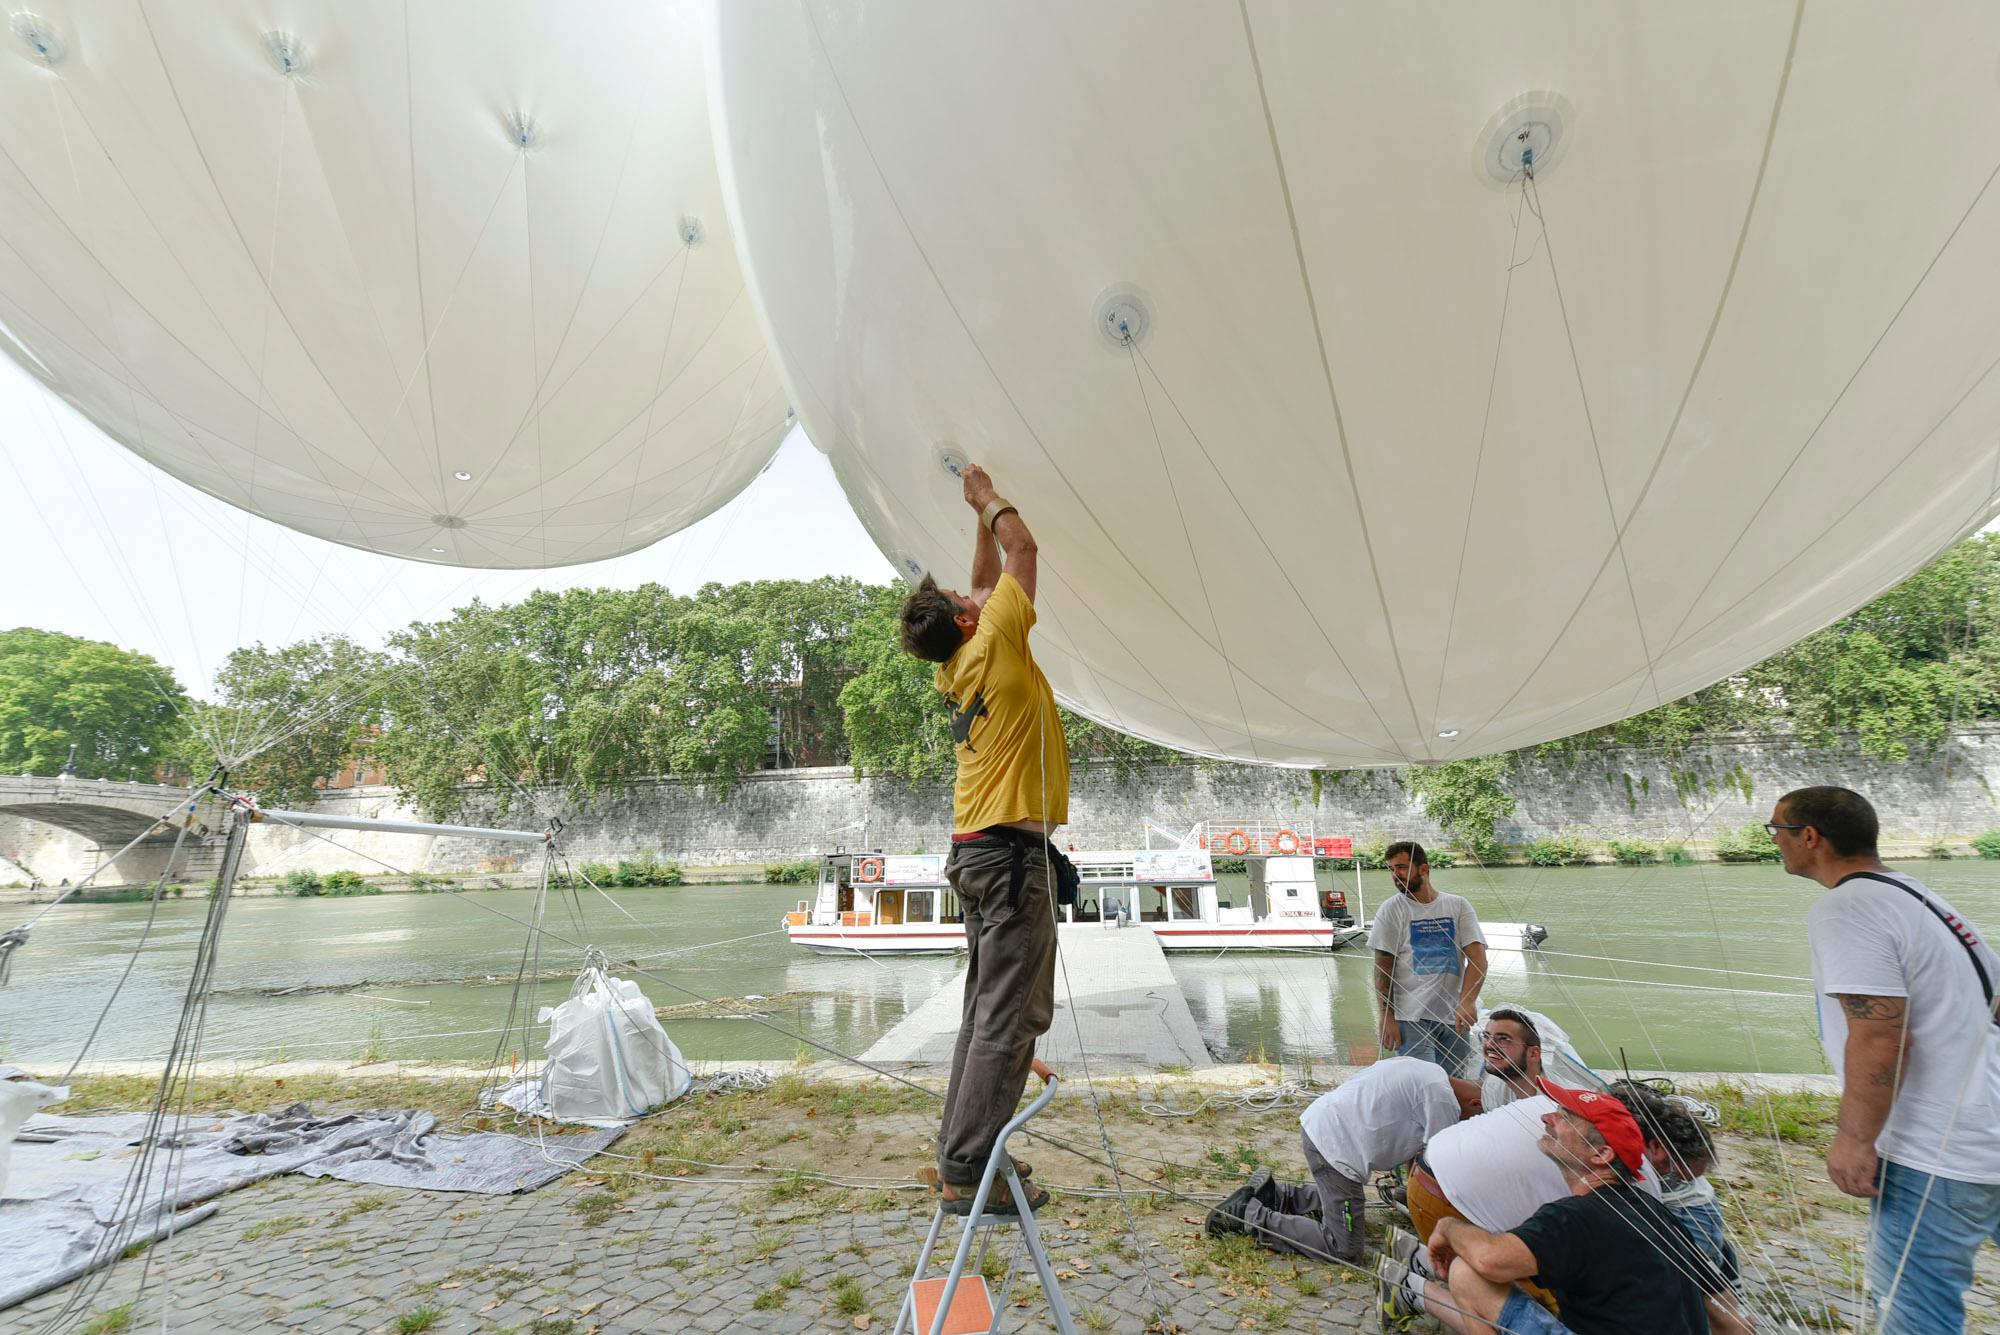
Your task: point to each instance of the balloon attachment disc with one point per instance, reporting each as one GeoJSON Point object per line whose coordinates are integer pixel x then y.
{"type": "Point", "coordinates": [286, 53]}
{"type": "Point", "coordinates": [35, 33]}
{"type": "Point", "coordinates": [1524, 137]}
{"type": "Point", "coordinates": [1124, 318]}
{"type": "Point", "coordinates": [952, 462]}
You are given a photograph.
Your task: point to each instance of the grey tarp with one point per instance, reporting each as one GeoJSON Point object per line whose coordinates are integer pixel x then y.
{"type": "Point", "coordinates": [70, 1173]}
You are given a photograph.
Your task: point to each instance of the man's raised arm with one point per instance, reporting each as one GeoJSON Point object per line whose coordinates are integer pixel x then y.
{"type": "Point", "coordinates": [1000, 527]}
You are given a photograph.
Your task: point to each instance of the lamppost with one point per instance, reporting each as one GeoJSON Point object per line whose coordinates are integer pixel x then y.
{"type": "Point", "coordinates": [68, 770]}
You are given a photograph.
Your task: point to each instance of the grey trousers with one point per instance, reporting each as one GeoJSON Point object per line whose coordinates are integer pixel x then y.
{"type": "Point", "coordinates": [1291, 1228]}
{"type": "Point", "coordinates": [1010, 998]}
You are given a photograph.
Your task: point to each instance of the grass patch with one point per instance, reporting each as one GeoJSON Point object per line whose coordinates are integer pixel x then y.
{"type": "Point", "coordinates": [420, 1318]}
{"type": "Point", "coordinates": [1803, 1117]}
{"type": "Point", "coordinates": [110, 1321]}
{"type": "Point", "coordinates": [359, 1206]}
{"type": "Point", "coordinates": [770, 1300]}
{"type": "Point", "coordinates": [275, 1228]}
{"type": "Point", "coordinates": [768, 1244]}
{"type": "Point", "coordinates": [848, 1297]}
{"type": "Point", "coordinates": [595, 1208]}
{"type": "Point", "coordinates": [791, 1279]}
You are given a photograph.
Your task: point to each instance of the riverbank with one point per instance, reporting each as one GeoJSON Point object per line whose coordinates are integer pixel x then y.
{"type": "Point", "coordinates": [794, 1207]}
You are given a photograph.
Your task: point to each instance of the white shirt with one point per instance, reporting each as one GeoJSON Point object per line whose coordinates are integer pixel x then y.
{"type": "Point", "coordinates": [1492, 1168]}
{"type": "Point", "coordinates": [1428, 941]}
{"type": "Point", "coordinates": [1497, 1093]}
{"type": "Point", "coordinates": [1870, 939]}
{"type": "Point", "coordinates": [1381, 1117]}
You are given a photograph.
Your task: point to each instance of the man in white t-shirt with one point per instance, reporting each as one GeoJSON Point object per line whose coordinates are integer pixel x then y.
{"type": "Point", "coordinates": [1511, 1046]}
{"type": "Point", "coordinates": [1430, 962]}
{"type": "Point", "coordinates": [1906, 1010]}
{"type": "Point", "coordinates": [1375, 1121]}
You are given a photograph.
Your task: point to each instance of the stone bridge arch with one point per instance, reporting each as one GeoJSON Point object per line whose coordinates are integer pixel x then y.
{"type": "Point", "coordinates": [107, 815]}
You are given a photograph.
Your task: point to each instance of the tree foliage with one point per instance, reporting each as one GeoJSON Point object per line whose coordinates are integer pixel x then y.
{"type": "Point", "coordinates": [121, 710]}
{"type": "Point", "coordinates": [591, 689]}
{"type": "Point", "coordinates": [1467, 799]}
{"type": "Point", "coordinates": [287, 719]}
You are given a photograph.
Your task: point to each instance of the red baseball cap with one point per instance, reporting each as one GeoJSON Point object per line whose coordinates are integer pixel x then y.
{"type": "Point", "coordinates": [1609, 1115]}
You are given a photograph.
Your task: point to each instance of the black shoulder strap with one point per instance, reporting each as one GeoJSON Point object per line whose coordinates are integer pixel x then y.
{"type": "Point", "coordinates": [1978, 965]}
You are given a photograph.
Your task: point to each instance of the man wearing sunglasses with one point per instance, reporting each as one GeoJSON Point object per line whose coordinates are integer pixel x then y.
{"type": "Point", "coordinates": [1905, 987]}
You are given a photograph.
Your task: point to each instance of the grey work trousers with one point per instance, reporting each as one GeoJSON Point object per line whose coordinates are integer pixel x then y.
{"type": "Point", "coordinates": [1010, 997]}
{"type": "Point", "coordinates": [1290, 1227]}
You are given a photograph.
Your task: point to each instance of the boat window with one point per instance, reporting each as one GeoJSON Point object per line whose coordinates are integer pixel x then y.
{"type": "Point", "coordinates": [1153, 904]}
{"type": "Point", "coordinates": [1187, 902]}
{"type": "Point", "coordinates": [948, 910]}
{"type": "Point", "coordinates": [918, 905]}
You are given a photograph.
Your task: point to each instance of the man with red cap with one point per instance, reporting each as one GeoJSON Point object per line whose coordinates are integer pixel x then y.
{"type": "Point", "coordinates": [1613, 1256]}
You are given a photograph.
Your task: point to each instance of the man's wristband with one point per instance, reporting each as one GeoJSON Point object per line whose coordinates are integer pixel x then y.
{"type": "Point", "coordinates": [990, 513]}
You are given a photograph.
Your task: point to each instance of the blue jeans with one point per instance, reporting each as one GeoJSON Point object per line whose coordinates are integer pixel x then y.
{"type": "Point", "coordinates": [1933, 1240]}
{"type": "Point", "coordinates": [1435, 1042]}
{"type": "Point", "coordinates": [1703, 1223]}
{"type": "Point", "coordinates": [1522, 1315]}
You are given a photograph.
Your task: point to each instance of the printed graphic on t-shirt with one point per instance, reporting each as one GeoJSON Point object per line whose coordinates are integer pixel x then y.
{"type": "Point", "coordinates": [961, 719]}
{"type": "Point", "coordinates": [1434, 946]}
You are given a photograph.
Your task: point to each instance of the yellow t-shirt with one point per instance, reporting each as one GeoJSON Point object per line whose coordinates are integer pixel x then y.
{"type": "Point", "coordinates": [1013, 764]}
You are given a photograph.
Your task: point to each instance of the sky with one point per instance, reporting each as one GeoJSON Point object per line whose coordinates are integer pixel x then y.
{"type": "Point", "coordinates": [104, 546]}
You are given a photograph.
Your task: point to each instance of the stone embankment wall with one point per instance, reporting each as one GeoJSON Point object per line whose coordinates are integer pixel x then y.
{"type": "Point", "coordinates": [1623, 794]}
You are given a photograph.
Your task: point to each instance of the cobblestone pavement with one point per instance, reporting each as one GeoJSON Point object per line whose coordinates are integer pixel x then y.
{"type": "Point", "coordinates": [320, 1256]}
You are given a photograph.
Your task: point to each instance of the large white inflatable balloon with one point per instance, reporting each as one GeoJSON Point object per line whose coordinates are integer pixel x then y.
{"type": "Point", "coordinates": [448, 279]}
{"type": "Point", "coordinates": [1344, 440]}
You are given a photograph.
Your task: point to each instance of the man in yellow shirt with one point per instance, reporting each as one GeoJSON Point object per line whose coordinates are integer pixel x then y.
{"type": "Point", "coordinates": [1011, 793]}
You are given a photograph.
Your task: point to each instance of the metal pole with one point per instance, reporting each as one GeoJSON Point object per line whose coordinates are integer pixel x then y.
{"type": "Point", "coordinates": [312, 820]}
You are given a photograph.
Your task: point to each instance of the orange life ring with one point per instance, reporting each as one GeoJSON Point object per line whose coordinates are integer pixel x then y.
{"type": "Point", "coordinates": [868, 869]}
{"type": "Point", "coordinates": [1236, 843]}
{"type": "Point", "coordinates": [1285, 841]}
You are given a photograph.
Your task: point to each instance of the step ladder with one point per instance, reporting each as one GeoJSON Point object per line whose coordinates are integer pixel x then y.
{"type": "Point", "coordinates": [959, 1304]}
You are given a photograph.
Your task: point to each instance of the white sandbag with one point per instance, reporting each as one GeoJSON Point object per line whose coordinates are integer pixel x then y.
{"type": "Point", "coordinates": [609, 1060]}
{"type": "Point", "coordinates": [20, 1099]}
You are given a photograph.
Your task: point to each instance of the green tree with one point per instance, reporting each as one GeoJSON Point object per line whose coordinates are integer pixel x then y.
{"type": "Point", "coordinates": [120, 709]}
{"type": "Point", "coordinates": [895, 720]}
{"type": "Point", "coordinates": [288, 719]}
{"type": "Point", "coordinates": [1466, 798]}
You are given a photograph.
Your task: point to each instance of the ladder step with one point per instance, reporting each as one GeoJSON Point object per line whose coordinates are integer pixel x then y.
{"type": "Point", "coordinates": [971, 1307]}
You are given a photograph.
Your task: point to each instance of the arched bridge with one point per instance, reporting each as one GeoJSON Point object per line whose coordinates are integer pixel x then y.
{"type": "Point", "coordinates": [110, 815]}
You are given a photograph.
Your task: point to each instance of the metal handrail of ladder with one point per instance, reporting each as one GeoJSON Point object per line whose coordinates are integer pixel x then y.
{"type": "Point", "coordinates": [999, 1161]}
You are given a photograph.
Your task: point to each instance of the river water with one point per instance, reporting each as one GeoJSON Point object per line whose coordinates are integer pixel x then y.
{"type": "Point", "coordinates": [1683, 968]}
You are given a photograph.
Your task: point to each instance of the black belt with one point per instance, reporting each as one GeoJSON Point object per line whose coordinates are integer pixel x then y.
{"type": "Point", "coordinates": [1023, 842]}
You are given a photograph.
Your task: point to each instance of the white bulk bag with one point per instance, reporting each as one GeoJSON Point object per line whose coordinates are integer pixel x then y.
{"type": "Point", "coordinates": [608, 1057]}
{"type": "Point", "coordinates": [20, 1099]}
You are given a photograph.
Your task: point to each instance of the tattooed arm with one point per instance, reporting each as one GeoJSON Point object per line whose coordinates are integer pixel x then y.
{"type": "Point", "coordinates": [1875, 1057]}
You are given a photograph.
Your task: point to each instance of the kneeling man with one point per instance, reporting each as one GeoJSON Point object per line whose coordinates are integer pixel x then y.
{"type": "Point", "coordinates": [1374, 1122]}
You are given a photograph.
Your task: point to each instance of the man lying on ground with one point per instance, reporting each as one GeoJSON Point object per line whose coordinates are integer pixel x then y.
{"type": "Point", "coordinates": [1373, 1122]}
{"type": "Point", "coordinates": [1615, 1258]}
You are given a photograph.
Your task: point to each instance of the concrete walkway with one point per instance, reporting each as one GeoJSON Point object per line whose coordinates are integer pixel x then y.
{"type": "Point", "coordinates": [1117, 1006]}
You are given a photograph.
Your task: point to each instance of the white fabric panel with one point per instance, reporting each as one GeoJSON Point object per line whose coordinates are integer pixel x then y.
{"type": "Point", "coordinates": [1336, 509]}
{"type": "Point", "coordinates": [320, 296]}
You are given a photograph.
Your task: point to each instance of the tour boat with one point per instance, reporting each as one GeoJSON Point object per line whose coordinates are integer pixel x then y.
{"type": "Point", "coordinates": [901, 904]}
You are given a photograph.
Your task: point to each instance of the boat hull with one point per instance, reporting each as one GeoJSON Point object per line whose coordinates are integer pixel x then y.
{"type": "Point", "coordinates": [942, 939]}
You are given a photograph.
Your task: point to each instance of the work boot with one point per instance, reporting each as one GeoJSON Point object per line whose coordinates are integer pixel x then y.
{"type": "Point", "coordinates": [1263, 1188]}
{"type": "Point", "coordinates": [1227, 1217]}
